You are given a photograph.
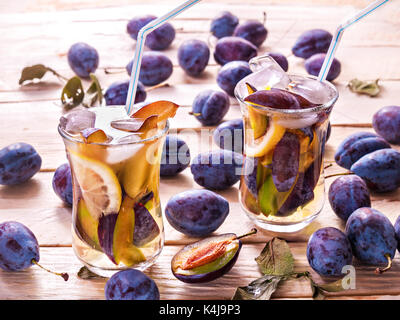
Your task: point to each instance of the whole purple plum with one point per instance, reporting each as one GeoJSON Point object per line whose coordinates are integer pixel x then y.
{"type": "Point", "coordinates": [328, 251]}
{"type": "Point", "coordinates": [210, 107]}
{"type": "Point", "coordinates": [62, 183]}
{"type": "Point", "coordinates": [159, 39]}
{"type": "Point", "coordinates": [223, 24]}
{"type": "Point", "coordinates": [314, 64]}
{"type": "Point", "coordinates": [83, 59]}
{"type": "Point", "coordinates": [155, 68]}
{"type": "Point", "coordinates": [357, 145]}
{"type": "Point", "coordinates": [131, 284]}
{"type": "Point", "coordinates": [234, 49]}
{"type": "Point", "coordinates": [117, 93]}
{"type": "Point", "coordinates": [386, 123]}
{"type": "Point", "coordinates": [18, 246]}
{"type": "Point", "coordinates": [253, 31]}
{"type": "Point", "coordinates": [311, 42]}
{"type": "Point", "coordinates": [231, 73]}
{"type": "Point", "coordinates": [280, 59]}
{"type": "Point", "coordinates": [193, 56]}
{"type": "Point", "coordinates": [372, 236]}
{"type": "Point", "coordinates": [18, 163]}
{"type": "Point", "coordinates": [347, 194]}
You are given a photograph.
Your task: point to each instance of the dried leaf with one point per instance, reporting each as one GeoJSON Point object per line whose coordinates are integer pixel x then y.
{"type": "Point", "coordinates": [318, 290]}
{"type": "Point", "coordinates": [370, 88]}
{"type": "Point", "coordinates": [260, 289]}
{"type": "Point", "coordinates": [94, 93]}
{"type": "Point", "coordinates": [85, 273]}
{"type": "Point", "coordinates": [276, 258]}
{"type": "Point", "coordinates": [36, 72]}
{"type": "Point", "coordinates": [72, 93]}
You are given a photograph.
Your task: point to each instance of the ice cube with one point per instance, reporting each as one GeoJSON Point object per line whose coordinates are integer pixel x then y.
{"type": "Point", "coordinates": [129, 125]}
{"type": "Point", "coordinates": [129, 139]}
{"type": "Point", "coordinates": [313, 90]}
{"type": "Point", "coordinates": [298, 123]}
{"type": "Point", "coordinates": [77, 120]}
{"type": "Point", "coordinates": [267, 73]}
{"type": "Point", "coordinates": [123, 150]}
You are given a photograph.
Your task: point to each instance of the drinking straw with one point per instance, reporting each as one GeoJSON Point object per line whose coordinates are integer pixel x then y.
{"type": "Point", "coordinates": [339, 32]}
{"type": "Point", "coordinates": [151, 26]}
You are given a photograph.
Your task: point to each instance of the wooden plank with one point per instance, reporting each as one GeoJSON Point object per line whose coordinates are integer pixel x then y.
{"type": "Point", "coordinates": [35, 283]}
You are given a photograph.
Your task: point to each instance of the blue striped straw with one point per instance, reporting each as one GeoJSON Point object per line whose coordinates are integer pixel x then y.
{"type": "Point", "coordinates": [338, 36]}
{"type": "Point", "coordinates": [151, 26]}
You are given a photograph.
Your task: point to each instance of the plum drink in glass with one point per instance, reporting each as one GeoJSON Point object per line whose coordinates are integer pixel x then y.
{"type": "Point", "coordinates": [115, 163]}
{"type": "Point", "coordinates": [285, 118]}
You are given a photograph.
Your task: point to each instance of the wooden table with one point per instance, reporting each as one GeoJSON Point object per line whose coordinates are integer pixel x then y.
{"type": "Point", "coordinates": [30, 34]}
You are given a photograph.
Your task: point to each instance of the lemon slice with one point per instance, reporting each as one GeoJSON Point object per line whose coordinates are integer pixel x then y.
{"type": "Point", "coordinates": [99, 185]}
{"type": "Point", "coordinates": [267, 142]}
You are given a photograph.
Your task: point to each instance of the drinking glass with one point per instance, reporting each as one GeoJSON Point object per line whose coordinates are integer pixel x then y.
{"type": "Point", "coordinates": [282, 183]}
{"type": "Point", "coordinates": [116, 214]}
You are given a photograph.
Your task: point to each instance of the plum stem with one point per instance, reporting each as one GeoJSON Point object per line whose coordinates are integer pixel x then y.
{"type": "Point", "coordinates": [162, 85]}
{"type": "Point", "coordinates": [196, 114]}
{"type": "Point", "coordinates": [328, 166]}
{"type": "Point", "coordinates": [65, 276]}
{"type": "Point", "coordinates": [264, 18]}
{"type": "Point", "coordinates": [119, 70]}
{"type": "Point", "coordinates": [389, 265]}
{"type": "Point", "coordinates": [253, 231]}
{"type": "Point", "coordinates": [339, 174]}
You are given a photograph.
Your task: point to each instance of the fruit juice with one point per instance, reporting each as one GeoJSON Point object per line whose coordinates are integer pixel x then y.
{"type": "Point", "coordinates": [282, 185]}
{"type": "Point", "coordinates": [115, 164]}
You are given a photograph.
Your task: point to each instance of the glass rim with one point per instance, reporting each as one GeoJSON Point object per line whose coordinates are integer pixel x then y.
{"type": "Point", "coordinates": [157, 136]}
{"type": "Point", "coordinates": [318, 108]}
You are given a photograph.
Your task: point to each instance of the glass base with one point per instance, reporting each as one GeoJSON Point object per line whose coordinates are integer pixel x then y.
{"type": "Point", "coordinates": [98, 262]}
{"type": "Point", "coordinates": [103, 272]}
{"type": "Point", "coordinates": [280, 227]}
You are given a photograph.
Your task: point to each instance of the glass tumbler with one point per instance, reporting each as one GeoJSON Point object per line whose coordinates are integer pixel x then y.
{"type": "Point", "coordinates": [117, 221]}
{"type": "Point", "coordinates": [282, 184]}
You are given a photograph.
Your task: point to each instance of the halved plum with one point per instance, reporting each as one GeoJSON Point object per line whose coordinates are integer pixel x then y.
{"type": "Point", "coordinates": [93, 138]}
{"type": "Point", "coordinates": [123, 236]}
{"type": "Point", "coordinates": [146, 228]}
{"type": "Point", "coordinates": [143, 127]}
{"type": "Point", "coordinates": [274, 98]}
{"type": "Point", "coordinates": [163, 109]}
{"type": "Point", "coordinates": [207, 259]}
{"type": "Point", "coordinates": [285, 162]}
{"type": "Point", "coordinates": [267, 196]}
{"type": "Point", "coordinates": [258, 121]}
{"type": "Point", "coordinates": [94, 135]}
{"type": "Point", "coordinates": [279, 99]}
{"type": "Point", "coordinates": [105, 233]}
{"type": "Point", "coordinates": [140, 172]}
{"type": "Point", "coordinates": [86, 225]}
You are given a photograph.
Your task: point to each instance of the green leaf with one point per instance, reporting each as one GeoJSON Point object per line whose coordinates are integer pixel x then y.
{"type": "Point", "coordinates": [260, 289]}
{"type": "Point", "coordinates": [85, 273]}
{"type": "Point", "coordinates": [370, 88]}
{"type": "Point", "coordinates": [94, 93]}
{"type": "Point", "coordinates": [36, 72]}
{"type": "Point", "coordinates": [276, 258]}
{"type": "Point", "coordinates": [72, 93]}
